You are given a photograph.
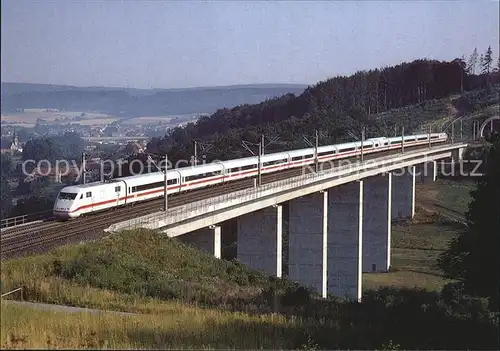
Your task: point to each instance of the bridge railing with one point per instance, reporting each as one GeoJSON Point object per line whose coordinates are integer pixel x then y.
{"type": "Point", "coordinates": [224, 202]}
{"type": "Point", "coordinates": [18, 220]}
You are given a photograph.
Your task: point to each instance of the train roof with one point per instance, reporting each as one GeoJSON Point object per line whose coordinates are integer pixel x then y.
{"type": "Point", "coordinates": [79, 187]}
{"type": "Point", "coordinates": [348, 145]}
{"type": "Point", "coordinates": [300, 152]}
{"type": "Point", "coordinates": [274, 157]}
{"type": "Point", "coordinates": [377, 139]}
{"type": "Point", "coordinates": [208, 167]}
{"type": "Point", "coordinates": [240, 162]}
{"type": "Point", "coordinates": [151, 177]}
{"type": "Point", "coordinates": [327, 148]}
{"type": "Point", "coordinates": [144, 176]}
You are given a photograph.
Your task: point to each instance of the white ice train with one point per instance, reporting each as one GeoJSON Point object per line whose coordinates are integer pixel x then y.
{"type": "Point", "coordinates": [77, 200]}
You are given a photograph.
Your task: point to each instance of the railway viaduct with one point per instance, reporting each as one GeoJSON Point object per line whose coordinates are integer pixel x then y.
{"type": "Point", "coordinates": [339, 219]}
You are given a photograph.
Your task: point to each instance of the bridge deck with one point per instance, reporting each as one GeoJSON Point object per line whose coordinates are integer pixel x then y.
{"type": "Point", "coordinates": [200, 214]}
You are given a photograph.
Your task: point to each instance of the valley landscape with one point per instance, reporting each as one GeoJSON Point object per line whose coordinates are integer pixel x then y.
{"type": "Point", "coordinates": [287, 224]}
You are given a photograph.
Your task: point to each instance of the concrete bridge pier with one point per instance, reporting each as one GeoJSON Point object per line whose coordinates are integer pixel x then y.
{"type": "Point", "coordinates": [207, 240]}
{"type": "Point", "coordinates": [403, 193]}
{"type": "Point", "coordinates": [377, 218]}
{"type": "Point", "coordinates": [325, 240]}
{"type": "Point", "coordinates": [457, 155]}
{"type": "Point", "coordinates": [307, 241]}
{"type": "Point", "coordinates": [426, 172]}
{"type": "Point", "coordinates": [345, 240]}
{"type": "Point", "coordinates": [259, 240]}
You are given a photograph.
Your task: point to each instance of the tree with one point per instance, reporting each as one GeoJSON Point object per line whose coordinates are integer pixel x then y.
{"type": "Point", "coordinates": [497, 68]}
{"type": "Point", "coordinates": [6, 195]}
{"type": "Point", "coordinates": [463, 68]}
{"type": "Point", "coordinates": [59, 147]}
{"type": "Point", "coordinates": [486, 62]}
{"type": "Point", "coordinates": [6, 165]}
{"type": "Point", "coordinates": [6, 169]}
{"type": "Point", "coordinates": [473, 255]}
{"type": "Point", "coordinates": [472, 63]}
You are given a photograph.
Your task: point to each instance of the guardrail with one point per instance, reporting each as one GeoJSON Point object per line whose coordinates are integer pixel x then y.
{"type": "Point", "coordinates": [13, 291]}
{"type": "Point", "coordinates": [18, 220]}
{"type": "Point", "coordinates": [225, 201]}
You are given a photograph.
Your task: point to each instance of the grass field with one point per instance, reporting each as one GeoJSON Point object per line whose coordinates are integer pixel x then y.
{"type": "Point", "coordinates": [417, 245]}
{"type": "Point", "coordinates": [415, 248]}
{"type": "Point", "coordinates": [28, 118]}
{"type": "Point", "coordinates": [186, 299]}
{"type": "Point", "coordinates": [451, 194]}
{"type": "Point", "coordinates": [455, 194]}
{"type": "Point", "coordinates": [172, 326]}
{"type": "Point", "coordinates": [171, 286]}
{"type": "Point", "coordinates": [149, 120]}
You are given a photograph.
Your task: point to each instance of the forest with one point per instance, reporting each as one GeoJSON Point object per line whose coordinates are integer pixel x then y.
{"type": "Point", "coordinates": [337, 107]}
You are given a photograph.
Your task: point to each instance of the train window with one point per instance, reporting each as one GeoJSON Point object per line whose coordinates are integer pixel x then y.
{"type": "Point", "coordinates": [367, 146]}
{"type": "Point", "coordinates": [302, 157]}
{"type": "Point", "coordinates": [81, 196]}
{"type": "Point", "coordinates": [67, 196]}
{"type": "Point", "coordinates": [117, 189]}
{"type": "Point", "coordinates": [325, 153]}
{"type": "Point", "coordinates": [149, 186]}
{"type": "Point", "coordinates": [201, 176]}
{"type": "Point", "coordinates": [347, 150]}
{"type": "Point", "coordinates": [243, 168]}
{"type": "Point", "coordinates": [196, 176]}
{"type": "Point", "coordinates": [89, 194]}
{"type": "Point", "coordinates": [269, 163]}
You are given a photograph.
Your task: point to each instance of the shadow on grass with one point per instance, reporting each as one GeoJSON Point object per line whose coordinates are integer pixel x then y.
{"type": "Point", "coordinates": [141, 264]}
{"type": "Point", "coordinates": [423, 272]}
{"type": "Point", "coordinates": [411, 319]}
{"type": "Point", "coordinates": [238, 334]}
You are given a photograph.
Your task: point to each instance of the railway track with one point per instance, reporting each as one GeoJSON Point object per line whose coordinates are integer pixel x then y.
{"type": "Point", "coordinates": [42, 237]}
{"type": "Point", "coordinates": [27, 229]}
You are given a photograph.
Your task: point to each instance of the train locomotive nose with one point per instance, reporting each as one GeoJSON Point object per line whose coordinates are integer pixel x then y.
{"type": "Point", "coordinates": [61, 214]}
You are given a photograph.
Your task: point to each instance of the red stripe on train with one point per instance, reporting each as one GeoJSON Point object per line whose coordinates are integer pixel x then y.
{"type": "Point", "coordinates": [232, 175]}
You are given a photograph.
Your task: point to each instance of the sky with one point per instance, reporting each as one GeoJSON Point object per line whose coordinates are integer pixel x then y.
{"type": "Point", "coordinates": [178, 44]}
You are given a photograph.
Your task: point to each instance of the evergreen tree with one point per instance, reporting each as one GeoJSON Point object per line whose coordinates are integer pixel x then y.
{"type": "Point", "coordinates": [472, 63]}
{"type": "Point", "coordinates": [487, 59]}
{"type": "Point", "coordinates": [6, 195]}
{"type": "Point", "coordinates": [473, 256]}
{"type": "Point", "coordinates": [497, 68]}
{"type": "Point", "coordinates": [6, 165]}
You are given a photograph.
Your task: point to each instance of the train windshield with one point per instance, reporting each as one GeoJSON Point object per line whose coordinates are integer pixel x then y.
{"type": "Point", "coordinates": [67, 196]}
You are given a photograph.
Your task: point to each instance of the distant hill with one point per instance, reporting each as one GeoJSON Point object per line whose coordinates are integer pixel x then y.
{"type": "Point", "coordinates": [412, 95]}
{"type": "Point", "coordinates": [129, 102]}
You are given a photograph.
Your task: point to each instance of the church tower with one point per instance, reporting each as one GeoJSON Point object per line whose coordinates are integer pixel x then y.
{"type": "Point", "coordinates": [15, 141]}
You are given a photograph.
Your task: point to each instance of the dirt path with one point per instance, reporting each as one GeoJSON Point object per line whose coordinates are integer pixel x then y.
{"type": "Point", "coordinates": [62, 308]}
